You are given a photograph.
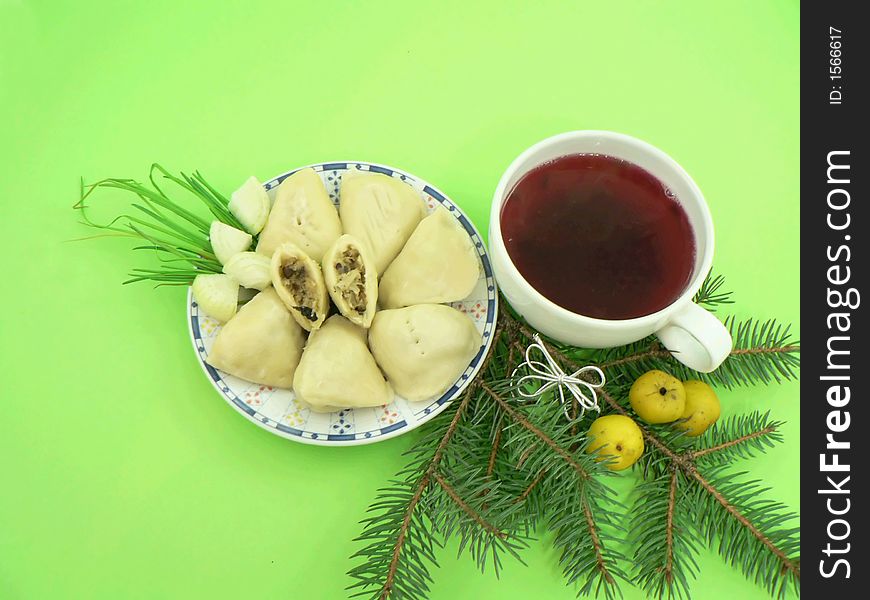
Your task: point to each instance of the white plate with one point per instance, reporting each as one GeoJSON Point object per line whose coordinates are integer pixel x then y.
{"type": "Point", "coordinates": [276, 410]}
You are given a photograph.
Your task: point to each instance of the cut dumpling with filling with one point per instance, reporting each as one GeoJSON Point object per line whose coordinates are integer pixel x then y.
{"type": "Point", "coordinates": [423, 349]}
{"type": "Point", "coordinates": [302, 214]}
{"type": "Point", "coordinates": [262, 343]}
{"type": "Point", "coordinates": [438, 264]}
{"type": "Point", "coordinates": [338, 371]}
{"type": "Point", "coordinates": [300, 286]}
{"type": "Point", "coordinates": [351, 280]}
{"type": "Point", "coordinates": [380, 211]}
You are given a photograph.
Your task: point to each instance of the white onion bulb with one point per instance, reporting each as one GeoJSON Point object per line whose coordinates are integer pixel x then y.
{"type": "Point", "coordinates": [217, 295]}
{"type": "Point", "coordinates": [227, 241]}
{"type": "Point", "coordinates": [250, 204]}
{"type": "Point", "coordinates": [250, 269]}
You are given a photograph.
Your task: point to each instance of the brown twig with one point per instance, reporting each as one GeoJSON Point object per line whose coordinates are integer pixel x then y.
{"type": "Point", "coordinates": [422, 484]}
{"type": "Point", "coordinates": [490, 466]}
{"type": "Point", "coordinates": [655, 351]}
{"type": "Point", "coordinates": [507, 327]}
{"type": "Point", "coordinates": [672, 501]}
{"type": "Point", "coordinates": [574, 410]}
{"type": "Point", "coordinates": [466, 508]}
{"type": "Point", "coordinates": [516, 345]}
{"type": "Point", "coordinates": [787, 563]}
{"type": "Point", "coordinates": [775, 350]}
{"type": "Point", "coordinates": [511, 359]}
{"type": "Point", "coordinates": [659, 353]}
{"type": "Point", "coordinates": [525, 329]}
{"type": "Point", "coordinates": [538, 478]}
{"type": "Point", "coordinates": [596, 543]}
{"type": "Point", "coordinates": [750, 436]}
{"type": "Point", "coordinates": [525, 423]}
{"type": "Point", "coordinates": [525, 455]}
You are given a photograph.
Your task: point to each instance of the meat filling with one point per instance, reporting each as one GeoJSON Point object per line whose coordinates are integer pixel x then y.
{"type": "Point", "coordinates": [351, 279]}
{"type": "Point", "coordinates": [302, 288]}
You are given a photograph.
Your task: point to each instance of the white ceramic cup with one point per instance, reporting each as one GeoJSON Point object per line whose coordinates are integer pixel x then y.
{"type": "Point", "coordinates": [694, 336]}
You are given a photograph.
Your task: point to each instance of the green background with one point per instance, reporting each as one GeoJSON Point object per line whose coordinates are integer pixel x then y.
{"type": "Point", "coordinates": [125, 474]}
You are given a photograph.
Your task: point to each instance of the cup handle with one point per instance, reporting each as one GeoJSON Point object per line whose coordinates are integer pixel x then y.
{"type": "Point", "coordinates": [696, 338]}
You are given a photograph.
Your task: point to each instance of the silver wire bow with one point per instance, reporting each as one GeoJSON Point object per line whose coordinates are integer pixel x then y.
{"type": "Point", "coordinates": [550, 374]}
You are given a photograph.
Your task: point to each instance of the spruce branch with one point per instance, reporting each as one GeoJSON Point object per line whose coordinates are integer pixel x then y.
{"type": "Point", "coordinates": [531, 487]}
{"type": "Point", "coordinates": [665, 539]}
{"type": "Point", "coordinates": [418, 492]}
{"type": "Point", "coordinates": [466, 508]}
{"type": "Point", "coordinates": [503, 465]}
{"type": "Point", "coordinates": [654, 351]}
{"type": "Point", "coordinates": [711, 295]}
{"type": "Point", "coordinates": [472, 496]}
{"type": "Point", "coordinates": [525, 423]}
{"type": "Point", "coordinates": [669, 529]}
{"type": "Point", "coordinates": [588, 553]}
{"type": "Point", "coordinates": [567, 484]}
{"type": "Point", "coordinates": [407, 536]}
{"type": "Point", "coordinates": [764, 352]}
{"type": "Point", "coordinates": [745, 524]}
{"type": "Point", "coordinates": [487, 528]}
{"type": "Point", "coordinates": [490, 466]}
{"type": "Point", "coordinates": [753, 537]}
{"type": "Point", "coordinates": [600, 564]}
{"type": "Point", "coordinates": [739, 436]}
{"type": "Point", "coordinates": [402, 571]}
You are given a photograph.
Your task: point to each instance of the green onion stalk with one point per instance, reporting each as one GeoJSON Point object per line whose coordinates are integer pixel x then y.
{"type": "Point", "coordinates": [178, 236]}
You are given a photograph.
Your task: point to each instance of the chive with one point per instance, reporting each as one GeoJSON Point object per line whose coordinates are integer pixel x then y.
{"type": "Point", "coordinates": [177, 236]}
{"type": "Point", "coordinates": [216, 203]}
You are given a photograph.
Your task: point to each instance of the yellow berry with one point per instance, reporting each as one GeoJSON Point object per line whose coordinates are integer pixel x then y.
{"type": "Point", "coordinates": [619, 439]}
{"type": "Point", "coordinates": [702, 408]}
{"type": "Point", "coordinates": [658, 397]}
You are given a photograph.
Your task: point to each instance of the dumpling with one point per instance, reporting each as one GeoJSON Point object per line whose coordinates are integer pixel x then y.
{"type": "Point", "coordinates": [302, 214]}
{"type": "Point", "coordinates": [338, 371]}
{"type": "Point", "coordinates": [423, 349]}
{"type": "Point", "coordinates": [351, 280]}
{"type": "Point", "coordinates": [262, 343]}
{"type": "Point", "coordinates": [300, 286]}
{"type": "Point", "coordinates": [380, 211]}
{"type": "Point", "coordinates": [437, 264]}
